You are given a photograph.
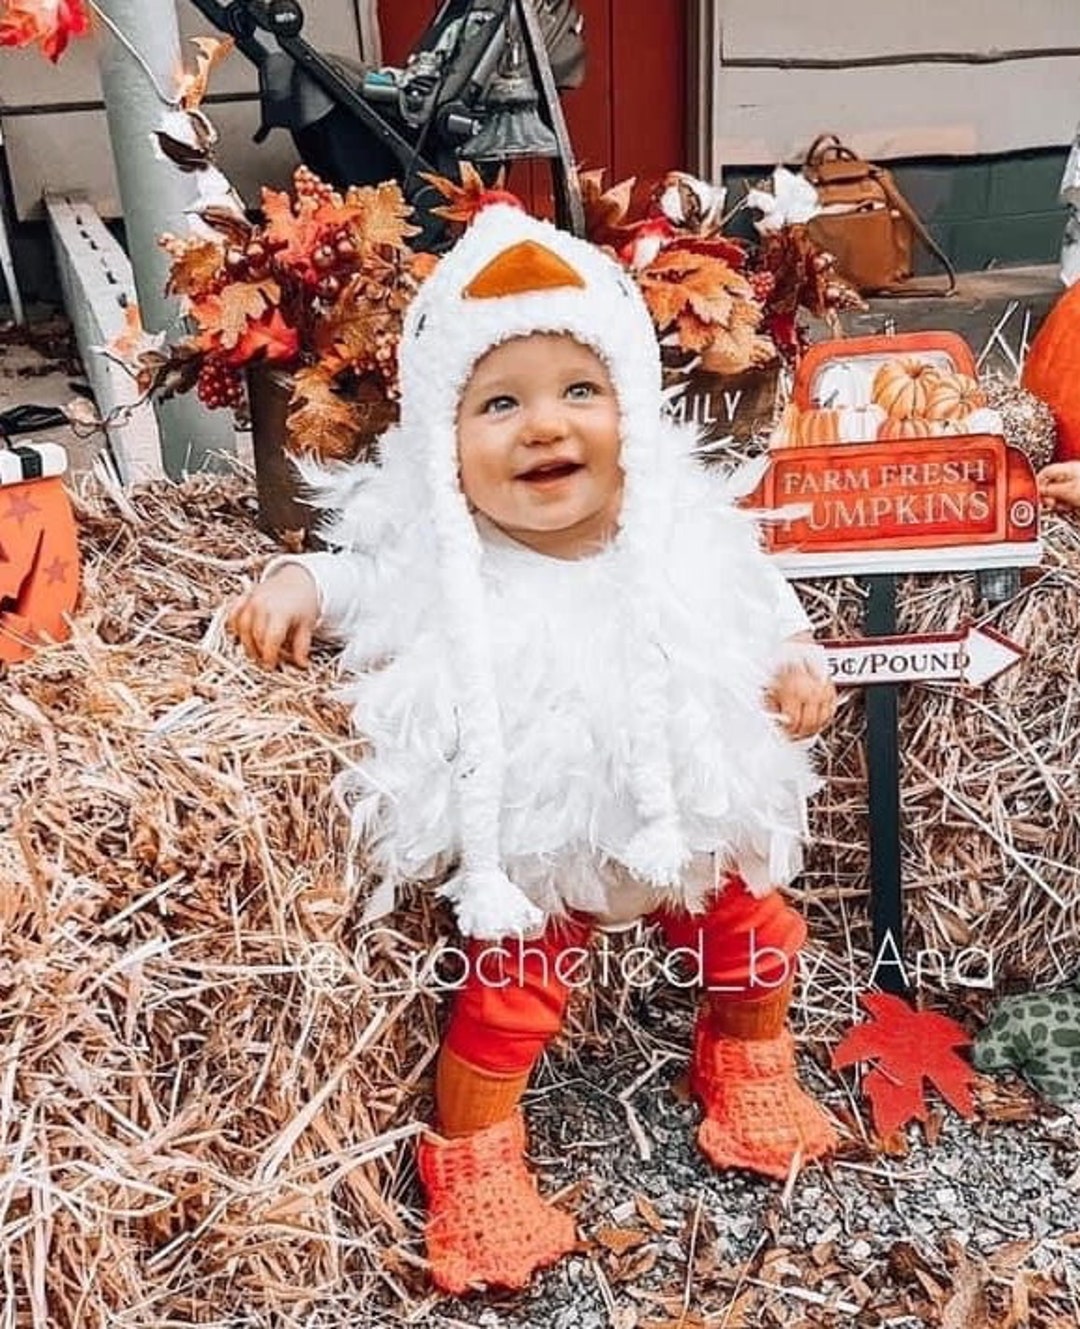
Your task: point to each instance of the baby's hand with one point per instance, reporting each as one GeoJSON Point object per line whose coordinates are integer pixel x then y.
{"type": "Point", "coordinates": [277, 617]}
{"type": "Point", "coordinates": [1059, 485]}
{"type": "Point", "coordinates": [803, 698]}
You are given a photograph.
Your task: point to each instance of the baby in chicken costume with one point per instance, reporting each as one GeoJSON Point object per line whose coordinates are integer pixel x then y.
{"type": "Point", "coordinates": [582, 682]}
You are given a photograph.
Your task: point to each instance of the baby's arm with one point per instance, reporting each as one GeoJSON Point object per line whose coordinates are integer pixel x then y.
{"type": "Point", "coordinates": [799, 691]}
{"type": "Point", "coordinates": [1059, 485]}
{"type": "Point", "coordinates": [297, 599]}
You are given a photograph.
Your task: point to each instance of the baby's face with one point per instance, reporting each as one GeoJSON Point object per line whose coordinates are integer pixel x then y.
{"type": "Point", "coordinates": [538, 444]}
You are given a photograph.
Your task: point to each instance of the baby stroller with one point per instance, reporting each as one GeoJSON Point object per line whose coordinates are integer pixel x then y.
{"type": "Point", "coordinates": [481, 84]}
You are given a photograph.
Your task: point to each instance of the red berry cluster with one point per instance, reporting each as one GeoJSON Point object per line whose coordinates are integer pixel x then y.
{"type": "Point", "coordinates": [220, 385]}
{"type": "Point", "coordinates": [763, 284]}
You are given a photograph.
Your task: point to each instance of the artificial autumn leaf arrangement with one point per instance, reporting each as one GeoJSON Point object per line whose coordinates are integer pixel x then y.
{"type": "Point", "coordinates": [318, 285]}
{"type": "Point", "coordinates": [730, 302]}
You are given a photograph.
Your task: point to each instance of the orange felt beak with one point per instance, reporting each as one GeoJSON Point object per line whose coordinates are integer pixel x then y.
{"type": "Point", "coordinates": [522, 268]}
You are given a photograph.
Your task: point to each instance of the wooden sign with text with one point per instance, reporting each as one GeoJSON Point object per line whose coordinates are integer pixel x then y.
{"type": "Point", "coordinates": [931, 504]}
{"type": "Point", "coordinates": [972, 656]}
{"type": "Point", "coordinates": [735, 407]}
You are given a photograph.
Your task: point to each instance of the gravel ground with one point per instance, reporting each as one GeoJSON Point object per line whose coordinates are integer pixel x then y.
{"type": "Point", "coordinates": [978, 1230]}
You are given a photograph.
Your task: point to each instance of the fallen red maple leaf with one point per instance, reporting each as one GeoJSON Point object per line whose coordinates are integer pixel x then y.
{"type": "Point", "coordinates": [49, 22]}
{"type": "Point", "coordinates": [907, 1046]}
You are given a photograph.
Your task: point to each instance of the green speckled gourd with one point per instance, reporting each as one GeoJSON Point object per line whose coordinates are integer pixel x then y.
{"type": "Point", "coordinates": [1036, 1034]}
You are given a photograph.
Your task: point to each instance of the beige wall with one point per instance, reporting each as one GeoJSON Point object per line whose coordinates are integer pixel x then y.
{"type": "Point", "coordinates": [752, 110]}
{"type": "Point", "coordinates": [765, 108]}
{"type": "Point", "coordinates": [63, 149]}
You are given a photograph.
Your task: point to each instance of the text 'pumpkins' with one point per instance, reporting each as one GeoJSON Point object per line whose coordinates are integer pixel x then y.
{"type": "Point", "coordinates": [1052, 370]}
{"type": "Point", "coordinates": [39, 552]}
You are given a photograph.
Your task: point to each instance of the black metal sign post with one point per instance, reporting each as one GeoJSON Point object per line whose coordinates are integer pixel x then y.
{"type": "Point", "coordinates": [883, 772]}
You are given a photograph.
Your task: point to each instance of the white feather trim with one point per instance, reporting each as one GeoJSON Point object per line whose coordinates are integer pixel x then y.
{"type": "Point", "coordinates": [488, 905]}
{"type": "Point", "coordinates": [563, 638]}
{"type": "Point", "coordinates": [530, 713]}
{"type": "Point", "coordinates": [657, 854]}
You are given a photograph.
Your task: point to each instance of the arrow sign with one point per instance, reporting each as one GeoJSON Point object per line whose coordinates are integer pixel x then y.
{"type": "Point", "coordinates": [972, 656]}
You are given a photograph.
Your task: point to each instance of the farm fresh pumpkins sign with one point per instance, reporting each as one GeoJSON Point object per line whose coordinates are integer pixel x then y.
{"type": "Point", "coordinates": [920, 499]}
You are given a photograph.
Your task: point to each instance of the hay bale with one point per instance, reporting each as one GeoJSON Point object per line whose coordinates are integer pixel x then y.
{"type": "Point", "coordinates": [208, 1074]}
{"type": "Point", "coordinates": [990, 785]}
{"type": "Point", "coordinates": [202, 1093]}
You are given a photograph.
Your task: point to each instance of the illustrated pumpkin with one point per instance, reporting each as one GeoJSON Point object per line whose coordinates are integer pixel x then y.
{"type": "Point", "coordinates": [902, 387]}
{"type": "Point", "coordinates": [815, 426]}
{"type": "Point", "coordinates": [783, 432]}
{"type": "Point", "coordinates": [914, 426]}
{"type": "Point", "coordinates": [39, 552]}
{"type": "Point", "coordinates": [841, 424]}
{"type": "Point", "coordinates": [820, 426]}
{"type": "Point", "coordinates": [952, 396]}
{"type": "Point", "coordinates": [1052, 370]}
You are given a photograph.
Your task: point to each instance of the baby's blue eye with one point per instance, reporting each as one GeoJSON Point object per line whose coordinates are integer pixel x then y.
{"type": "Point", "coordinates": [498, 405]}
{"type": "Point", "coordinates": [582, 391]}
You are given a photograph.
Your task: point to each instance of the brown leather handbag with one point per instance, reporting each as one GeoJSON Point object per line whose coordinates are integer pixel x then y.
{"type": "Point", "coordinates": [867, 224]}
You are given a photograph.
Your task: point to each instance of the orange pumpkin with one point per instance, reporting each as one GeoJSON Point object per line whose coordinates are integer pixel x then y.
{"type": "Point", "coordinates": [818, 425]}
{"type": "Point", "coordinates": [783, 432]}
{"type": "Point", "coordinates": [39, 555]}
{"type": "Point", "coordinates": [902, 386]}
{"type": "Point", "coordinates": [952, 396]}
{"type": "Point", "coordinates": [835, 424]}
{"type": "Point", "coordinates": [1052, 370]}
{"type": "Point", "coordinates": [915, 426]}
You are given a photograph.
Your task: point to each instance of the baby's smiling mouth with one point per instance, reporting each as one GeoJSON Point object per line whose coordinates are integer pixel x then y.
{"type": "Point", "coordinates": [550, 470]}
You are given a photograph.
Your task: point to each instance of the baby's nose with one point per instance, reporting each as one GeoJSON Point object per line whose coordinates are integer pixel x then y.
{"type": "Point", "coordinates": [546, 421]}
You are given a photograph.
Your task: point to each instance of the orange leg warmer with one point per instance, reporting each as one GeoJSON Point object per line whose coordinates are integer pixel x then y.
{"type": "Point", "coordinates": [514, 996]}
{"type": "Point", "coordinates": [486, 1223]}
{"type": "Point", "coordinates": [468, 1099]}
{"type": "Point", "coordinates": [757, 1115]}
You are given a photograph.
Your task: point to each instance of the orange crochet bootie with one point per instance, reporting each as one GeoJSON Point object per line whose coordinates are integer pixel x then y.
{"type": "Point", "coordinates": [757, 1115]}
{"type": "Point", "coordinates": [486, 1223]}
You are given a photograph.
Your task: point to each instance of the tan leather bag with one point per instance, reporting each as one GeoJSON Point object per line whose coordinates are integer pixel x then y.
{"type": "Point", "coordinates": [867, 224]}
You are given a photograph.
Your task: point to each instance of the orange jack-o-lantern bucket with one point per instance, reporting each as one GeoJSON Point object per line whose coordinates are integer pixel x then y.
{"type": "Point", "coordinates": [39, 551]}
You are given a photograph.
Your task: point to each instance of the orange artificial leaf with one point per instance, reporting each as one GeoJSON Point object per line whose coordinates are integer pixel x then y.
{"type": "Point", "coordinates": [422, 265]}
{"type": "Point", "coordinates": [294, 230]}
{"type": "Point", "coordinates": [195, 269]}
{"type": "Point", "coordinates": [606, 209]}
{"type": "Point", "coordinates": [321, 421]}
{"type": "Point", "coordinates": [381, 214]}
{"type": "Point", "coordinates": [907, 1046]}
{"type": "Point", "coordinates": [224, 317]}
{"type": "Point", "coordinates": [471, 196]}
{"type": "Point", "coordinates": [271, 338]}
{"type": "Point", "coordinates": [50, 23]}
{"type": "Point", "coordinates": [133, 340]}
{"type": "Point", "coordinates": [212, 50]}
{"type": "Point", "coordinates": [349, 334]}
{"type": "Point", "coordinates": [703, 298]}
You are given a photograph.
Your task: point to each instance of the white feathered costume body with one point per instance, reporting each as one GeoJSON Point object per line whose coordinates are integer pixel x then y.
{"type": "Point", "coordinates": [582, 734]}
